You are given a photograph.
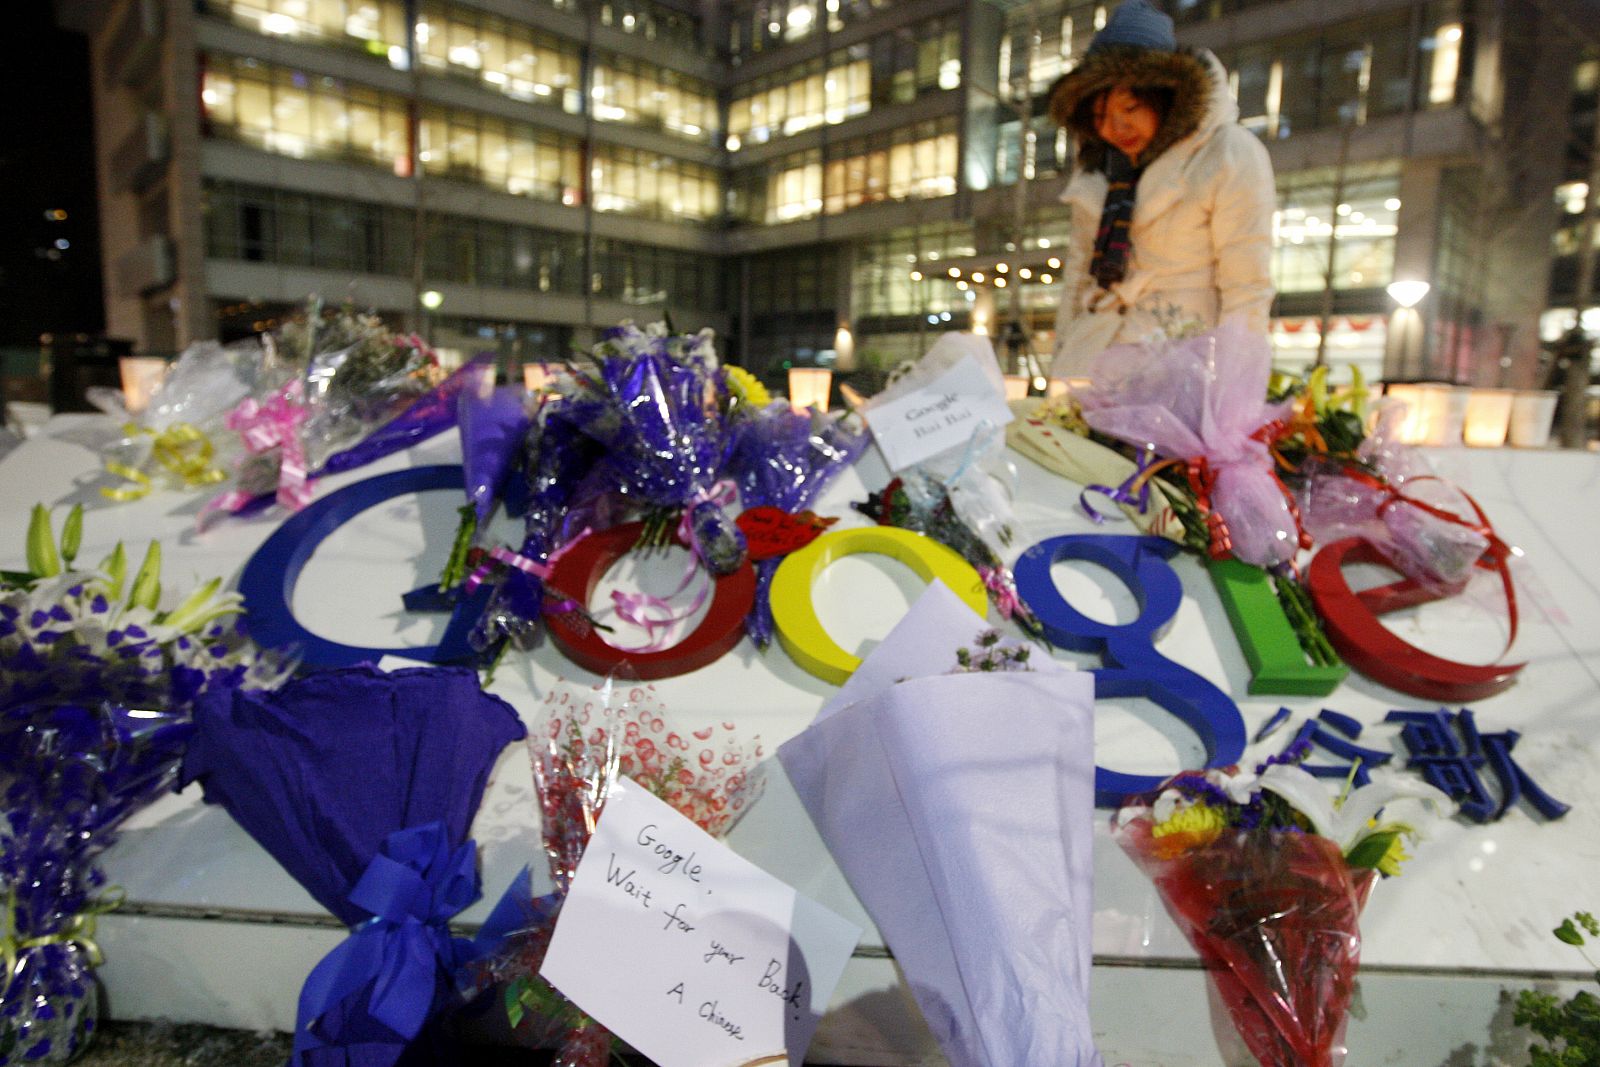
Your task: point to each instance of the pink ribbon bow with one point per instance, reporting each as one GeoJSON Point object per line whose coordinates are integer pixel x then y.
{"type": "Point", "coordinates": [263, 427]}
{"type": "Point", "coordinates": [723, 494]}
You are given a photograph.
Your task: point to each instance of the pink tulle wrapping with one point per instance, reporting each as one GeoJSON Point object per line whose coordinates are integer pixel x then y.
{"type": "Point", "coordinates": [1436, 553]}
{"type": "Point", "coordinates": [1201, 398]}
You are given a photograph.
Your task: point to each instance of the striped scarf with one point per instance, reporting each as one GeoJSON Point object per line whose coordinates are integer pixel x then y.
{"type": "Point", "coordinates": [1111, 244]}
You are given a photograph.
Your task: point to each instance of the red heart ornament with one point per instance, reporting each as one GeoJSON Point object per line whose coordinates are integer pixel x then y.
{"type": "Point", "coordinates": [771, 532]}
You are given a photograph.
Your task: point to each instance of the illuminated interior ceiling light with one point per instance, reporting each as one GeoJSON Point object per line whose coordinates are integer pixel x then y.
{"type": "Point", "coordinates": [916, 275]}
{"type": "Point", "coordinates": [1024, 273]}
{"type": "Point", "coordinates": [1046, 278]}
{"type": "Point", "coordinates": [431, 299]}
{"type": "Point", "coordinates": [961, 285]}
{"type": "Point", "coordinates": [977, 276]}
{"type": "Point", "coordinates": [1053, 263]}
{"type": "Point", "coordinates": [1001, 268]}
{"type": "Point", "coordinates": [1000, 283]}
{"type": "Point", "coordinates": [1044, 242]}
{"type": "Point", "coordinates": [955, 272]}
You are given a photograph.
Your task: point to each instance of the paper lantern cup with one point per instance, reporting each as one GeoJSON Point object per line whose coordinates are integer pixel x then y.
{"type": "Point", "coordinates": [1532, 412]}
{"type": "Point", "coordinates": [1488, 417]}
{"type": "Point", "coordinates": [809, 387]}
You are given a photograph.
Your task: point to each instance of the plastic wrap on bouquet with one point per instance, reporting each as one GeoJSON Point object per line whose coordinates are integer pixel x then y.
{"type": "Point", "coordinates": [363, 786]}
{"type": "Point", "coordinates": [784, 459]}
{"type": "Point", "coordinates": [584, 741]}
{"type": "Point", "coordinates": [651, 404]}
{"type": "Point", "coordinates": [431, 413]}
{"type": "Point", "coordinates": [1266, 875]}
{"type": "Point", "coordinates": [356, 376]}
{"type": "Point", "coordinates": [70, 776]}
{"type": "Point", "coordinates": [959, 806]}
{"type": "Point", "coordinates": [1426, 526]}
{"type": "Point", "coordinates": [559, 500]}
{"type": "Point", "coordinates": [1199, 403]}
{"type": "Point", "coordinates": [178, 440]}
{"type": "Point", "coordinates": [1276, 921]}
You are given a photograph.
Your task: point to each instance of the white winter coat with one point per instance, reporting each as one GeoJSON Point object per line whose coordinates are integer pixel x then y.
{"type": "Point", "coordinates": [1201, 239]}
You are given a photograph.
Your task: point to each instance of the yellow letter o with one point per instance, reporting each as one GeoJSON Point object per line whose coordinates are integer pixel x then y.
{"type": "Point", "coordinates": [795, 616]}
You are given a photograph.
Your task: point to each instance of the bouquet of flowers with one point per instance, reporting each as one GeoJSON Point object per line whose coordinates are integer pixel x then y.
{"type": "Point", "coordinates": [1267, 876]}
{"type": "Point", "coordinates": [97, 685]}
{"type": "Point", "coordinates": [656, 403]}
{"type": "Point", "coordinates": [583, 742]}
{"type": "Point", "coordinates": [91, 635]}
{"type": "Point", "coordinates": [342, 391]}
{"type": "Point", "coordinates": [1200, 405]}
{"type": "Point", "coordinates": [919, 501]}
{"type": "Point", "coordinates": [70, 775]}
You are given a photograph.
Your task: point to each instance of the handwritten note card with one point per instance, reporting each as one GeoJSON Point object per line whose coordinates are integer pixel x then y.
{"type": "Point", "coordinates": [688, 952]}
{"type": "Point", "coordinates": [940, 416]}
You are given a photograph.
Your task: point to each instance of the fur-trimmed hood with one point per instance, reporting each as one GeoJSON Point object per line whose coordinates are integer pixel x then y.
{"type": "Point", "coordinates": [1200, 97]}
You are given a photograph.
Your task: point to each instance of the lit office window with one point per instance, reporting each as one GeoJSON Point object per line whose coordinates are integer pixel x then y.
{"type": "Point", "coordinates": [1361, 228]}
{"type": "Point", "coordinates": [306, 116]}
{"type": "Point", "coordinates": [374, 26]}
{"type": "Point", "coordinates": [632, 181]}
{"type": "Point", "coordinates": [502, 55]}
{"type": "Point", "coordinates": [646, 94]}
{"type": "Point", "coordinates": [891, 68]}
{"type": "Point", "coordinates": [520, 159]}
{"type": "Point", "coordinates": [1445, 65]}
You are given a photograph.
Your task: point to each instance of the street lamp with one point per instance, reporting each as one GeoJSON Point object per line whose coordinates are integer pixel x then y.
{"type": "Point", "coordinates": [1406, 293]}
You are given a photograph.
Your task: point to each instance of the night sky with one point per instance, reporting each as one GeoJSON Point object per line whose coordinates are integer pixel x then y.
{"type": "Point", "coordinates": [46, 165]}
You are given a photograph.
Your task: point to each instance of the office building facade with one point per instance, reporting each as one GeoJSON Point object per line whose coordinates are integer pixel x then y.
{"type": "Point", "coordinates": [832, 181]}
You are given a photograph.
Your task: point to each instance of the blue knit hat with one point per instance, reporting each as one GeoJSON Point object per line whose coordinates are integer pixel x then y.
{"type": "Point", "coordinates": [1136, 24]}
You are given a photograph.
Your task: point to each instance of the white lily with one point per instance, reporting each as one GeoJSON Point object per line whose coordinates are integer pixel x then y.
{"type": "Point", "coordinates": [1352, 821]}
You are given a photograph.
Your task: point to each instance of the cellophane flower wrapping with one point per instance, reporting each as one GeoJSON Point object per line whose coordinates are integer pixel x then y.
{"type": "Point", "coordinates": [1374, 504]}
{"type": "Point", "coordinates": [785, 459]}
{"type": "Point", "coordinates": [651, 400]}
{"type": "Point", "coordinates": [587, 737]}
{"type": "Point", "coordinates": [559, 498]}
{"type": "Point", "coordinates": [70, 774]}
{"type": "Point", "coordinates": [97, 685]}
{"type": "Point", "coordinates": [357, 374]}
{"type": "Point", "coordinates": [1275, 917]}
{"type": "Point", "coordinates": [1202, 398]}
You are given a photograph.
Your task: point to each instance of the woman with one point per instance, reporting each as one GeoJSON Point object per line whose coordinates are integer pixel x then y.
{"type": "Point", "coordinates": [1172, 199]}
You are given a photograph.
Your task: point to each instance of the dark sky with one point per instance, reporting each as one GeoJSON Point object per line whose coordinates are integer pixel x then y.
{"type": "Point", "coordinates": [46, 164]}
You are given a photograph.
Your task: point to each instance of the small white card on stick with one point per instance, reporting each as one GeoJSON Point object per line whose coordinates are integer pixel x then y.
{"type": "Point", "coordinates": [687, 951]}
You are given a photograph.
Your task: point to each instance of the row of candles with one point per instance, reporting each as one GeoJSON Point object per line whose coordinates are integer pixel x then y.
{"type": "Point", "coordinates": [1438, 414]}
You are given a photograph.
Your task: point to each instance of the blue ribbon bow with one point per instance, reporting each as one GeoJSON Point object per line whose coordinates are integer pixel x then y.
{"type": "Point", "coordinates": [392, 968]}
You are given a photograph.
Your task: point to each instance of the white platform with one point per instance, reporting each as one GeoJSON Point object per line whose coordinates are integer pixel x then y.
{"type": "Point", "coordinates": [215, 931]}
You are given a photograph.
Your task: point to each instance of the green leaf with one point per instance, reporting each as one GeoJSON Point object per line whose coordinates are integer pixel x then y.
{"type": "Point", "coordinates": [72, 534]}
{"type": "Point", "coordinates": [514, 1009]}
{"type": "Point", "coordinates": [1568, 933]}
{"type": "Point", "coordinates": [1367, 853]}
{"type": "Point", "coordinates": [146, 591]}
{"type": "Point", "coordinates": [1588, 922]}
{"type": "Point", "coordinates": [115, 567]}
{"type": "Point", "coordinates": [43, 559]}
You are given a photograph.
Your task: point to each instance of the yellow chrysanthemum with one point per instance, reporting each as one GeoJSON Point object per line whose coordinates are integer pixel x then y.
{"type": "Point", "coordinates": [747, 388]}
{"type": "Point", "coordinates": [1389, 865]}
{"type": "Point", "coordinates": [1187, 828]}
